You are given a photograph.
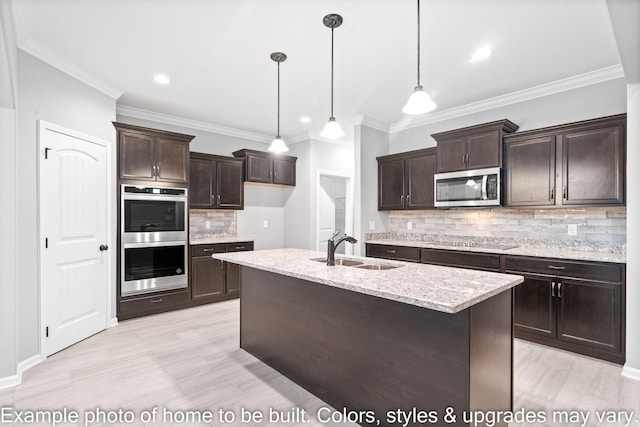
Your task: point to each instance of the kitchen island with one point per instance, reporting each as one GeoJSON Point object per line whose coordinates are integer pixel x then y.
{"type": "Point", "coordinates": [389, 342]}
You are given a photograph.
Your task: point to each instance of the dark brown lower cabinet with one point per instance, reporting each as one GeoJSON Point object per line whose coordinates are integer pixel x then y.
{"type": "Point", "coordinates": [213, 280]}
{"type": "Point", "coordinates": [583, 314]}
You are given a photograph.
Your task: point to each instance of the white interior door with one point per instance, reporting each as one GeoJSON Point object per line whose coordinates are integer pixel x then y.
{"type": "Point", "coordinates": [73, 217]}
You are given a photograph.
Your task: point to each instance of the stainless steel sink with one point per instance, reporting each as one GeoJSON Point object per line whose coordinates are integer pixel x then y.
{"type": "Point", "coordinates": [376, 266]}
{"type": "Point", "coordinates": [340, 261]}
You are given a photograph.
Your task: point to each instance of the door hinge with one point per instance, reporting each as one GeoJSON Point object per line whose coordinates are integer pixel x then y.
{"type": "Point", "coordinates": [47, 332]}
{"type": "Point", "coordinates": [46, 243]}
{"type": "Point", "coordinates": [46, 153]}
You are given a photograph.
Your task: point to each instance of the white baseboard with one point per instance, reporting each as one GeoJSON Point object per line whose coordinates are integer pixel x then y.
{"type": "Point", "coordinates": [629, 372]}
{"type": "Point", "coordinates": [14, 380]}
{"type": "Point", "coordinates": [113, 322]}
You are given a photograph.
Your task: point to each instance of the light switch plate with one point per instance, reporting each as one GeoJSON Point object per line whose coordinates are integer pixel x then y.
{"type": "Point", "coordinates": [207, 224]}
{"type": "Point", "coordinates": [372, 225]}
{"type": "Point", "coordinates": [572, 229]}
{"type": "Point", "coordinates": [265, 223]}
{"type": "Point", "coordinates": [409, 225]}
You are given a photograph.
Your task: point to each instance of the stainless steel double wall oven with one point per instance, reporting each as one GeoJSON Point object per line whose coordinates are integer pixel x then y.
{"type": "Point", "coordinates": [153, 239]}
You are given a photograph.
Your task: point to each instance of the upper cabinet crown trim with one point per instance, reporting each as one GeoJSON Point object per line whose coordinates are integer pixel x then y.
{"type": "Point", "coordinates": [152, 132]}
{"type": "Point", "coordinates": [505, 125]}
{"type": "Point", "coordinates": [556, 129]}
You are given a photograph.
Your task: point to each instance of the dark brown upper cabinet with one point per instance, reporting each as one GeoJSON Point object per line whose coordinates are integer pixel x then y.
{"type": "Point", "coordinates": [268, 168]}
{"type": "Point", "coordinates": [474, 147]}
{"type": "Point", "coordinates": [216, 182]}
{"type": "Point", "coordinates": [579, 163]}
{"type": "Point", "coordinates": [405, 180]}
{"type": "Point", "coordinates": [152, 155]}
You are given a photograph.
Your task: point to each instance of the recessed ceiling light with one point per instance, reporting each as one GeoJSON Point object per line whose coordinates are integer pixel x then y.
{"type": "Point", "coordinates": [161, 79]}
{"type": "Point", "coordinates": [482, 53]}
{"type": "Point", "coordinates": [305, 119]}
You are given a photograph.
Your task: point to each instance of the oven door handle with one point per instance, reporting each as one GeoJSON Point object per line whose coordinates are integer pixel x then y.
{"type": "Point", "coordinates": [484, 186]}
{"type": "Point", "coordinates": [154, 244]}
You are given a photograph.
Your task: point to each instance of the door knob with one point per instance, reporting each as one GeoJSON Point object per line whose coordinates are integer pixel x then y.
{"type": "Point", "coordinates": [104, 247]}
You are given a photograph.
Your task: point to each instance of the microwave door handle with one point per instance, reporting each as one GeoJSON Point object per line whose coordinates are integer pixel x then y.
{"type": "Point", "coordinates": [484, 186]}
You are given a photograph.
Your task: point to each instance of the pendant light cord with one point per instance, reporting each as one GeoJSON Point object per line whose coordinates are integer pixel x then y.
{"type": "Point", "coordinates": [278, 133]}
{"type": "Point", "coordinates": [418, 42]}
{"type": "Point", "coordinates": [331, 72]}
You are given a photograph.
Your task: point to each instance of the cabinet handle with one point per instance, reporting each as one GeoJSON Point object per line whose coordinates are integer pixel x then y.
{"type": "Point", "coordinates": [464, 160]}
{"type": "Point", "coordinates": [467, 159]}
{"type": "Point", "coordinates": [559, 289]}
{"type": "Point", "coordinates": [552, 193]}
{"type": "Point", "coordinates": [389, 251]}
{"type": "Point", "coordinates": [158, 171]}
{"type": "Point", "coordinates": [239, 247]}
{"type": "Point", "coordinates": [207, 250]}
{"type": "Point", "coordinates": [555, 267]}
{"type": "Point", "coordinates": [218, 200]}
{"type": "Point", "coordinates": [408, 199]}
{"type": "Point", "coordinates": [153, 171]}
{"type": "Point", "coordinates": [275, 173]}
{"type": "Point", "coordinates": [154, 301]}
{"type": "Point", "coordinates": [222, 265]}
{"type": "Point", "coordinates": [553, 289]}
{"type": "Point", "coordinates": [402, 200]}
{"type": "Point", "coordinates": [564, 192]}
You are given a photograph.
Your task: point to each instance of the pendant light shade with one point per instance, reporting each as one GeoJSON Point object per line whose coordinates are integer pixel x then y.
{"type": "Point", "coordinates": [278, 145]}
{"type": "Point", "coordinates": [419, 102]}
{"type": "Point", "coordinates": [332, 130]}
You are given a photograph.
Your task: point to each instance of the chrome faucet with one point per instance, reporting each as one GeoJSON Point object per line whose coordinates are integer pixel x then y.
{"type": "Point", "coordinates": [332, 245]}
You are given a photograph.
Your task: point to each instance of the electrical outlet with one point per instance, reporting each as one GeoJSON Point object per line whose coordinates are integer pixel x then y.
{"type": "Point", "coordinates": [409, 225]}
{"type": "Point", "coordinates": [372, 225]}
{"type": "Point", "coordinates": [207, 224]}
{"type": "Point", "coordinates": [265, 224]}
{"type": "Point", "coordinates": [572, 229]}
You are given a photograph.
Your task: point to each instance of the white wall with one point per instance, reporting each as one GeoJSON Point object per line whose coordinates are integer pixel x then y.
{"type": "Point", "coordinates": [49, 94]}
{"type": "Point", "coordinates": [632, 366]}
{"type": "Point", "coordinates": [369, 144]}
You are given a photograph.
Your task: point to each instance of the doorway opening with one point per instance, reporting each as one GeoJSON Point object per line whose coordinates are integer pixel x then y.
{"type": "Point", "coordinates": [334, 210]}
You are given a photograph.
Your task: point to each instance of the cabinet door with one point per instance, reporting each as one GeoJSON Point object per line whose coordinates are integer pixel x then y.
{"type": "Point", "coordinates": [172, 160]}
{"type": "Point", "coordinates": [233, 278]}
{"type": "Point", "coordinates": [530, 172]}
{"type": "Point", "coordinates": [419, 181]}
{"type": "Point", "coordinates": [391, 192]}
{"type": "Point", "coordinates": [593, 167]}
{"type": "Point", "coordinates": [284, 172]}
{"type": "Point", "coordinates": [589, 314]}
{"type": "Point", "coordinates": [484, 150]}
{"type": "Point", "coordinates": [534, 306]}
{"type": "Point", "coordinates": [137, 156]}
{"type": "Point", "coordinates": [452, 154]}
{"type": "Point", "coordinates": [258, 168]}
{"type": "Point", "coordinates": [207, 277]}
{"type": "Point", "coordinates": [201, 183]}
{"type": "Point", "coordinates": [230, 185]}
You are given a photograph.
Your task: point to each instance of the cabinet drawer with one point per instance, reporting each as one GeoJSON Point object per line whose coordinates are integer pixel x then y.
{"type": "Point", "coordinates": [607, 272]}
{"type": "Point", "coordinates": [239, 247]}
{"type": "Point", "coordinates": [461, 259]}
{"type": "Point", "coordinates": [205, 250]}
{"type": "Point", "coordinates": [401, 253]}
{"type": "Point", "coordinates": [153, 302]}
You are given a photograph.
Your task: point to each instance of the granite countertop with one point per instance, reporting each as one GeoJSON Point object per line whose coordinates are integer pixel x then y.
{"type": "Point", "coordinates": [523, 250]}
{"type": "Point", "coordinates": [445, 289]}
{"type": "Point", "coordinates": [214, 240]}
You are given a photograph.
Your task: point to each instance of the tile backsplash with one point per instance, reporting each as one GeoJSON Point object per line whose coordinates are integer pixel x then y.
{"type": "Point", "coordinates": [221, 223]}
{"type": "Point", "coordinates": [598, 228]}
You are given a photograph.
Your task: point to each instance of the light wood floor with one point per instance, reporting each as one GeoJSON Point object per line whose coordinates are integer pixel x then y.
{"type": "Point", "coordinates": [190, 360]}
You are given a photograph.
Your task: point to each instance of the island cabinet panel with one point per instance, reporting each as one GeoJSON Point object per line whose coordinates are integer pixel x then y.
{"type": "Point", "coordinates": [579, 163]}
{"type": "Point", "coordinates": [474, 147]}
{"type": "Point", "coordinates": [365, 353]}
{"type": "Point", "coordinates": [146, 154]}
{"type": "Point", "coordinates": [405, 180]}
{"type": "Point", "coordinates": [268, 168]}
{"type": "Point", "coordinates": [216, 182]}
{"type": "Point", "coordinates": [400, 253]}
{"type": "Point", "coordinates": [576, 306]}
{"type": "Point", "coordinates": [477, 261]}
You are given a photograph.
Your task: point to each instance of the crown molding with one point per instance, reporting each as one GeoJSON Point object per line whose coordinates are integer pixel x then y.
{"type": "Point", "coordinates": [370, 123]}
{"type": "Point", "coordinates": [139, 113]}
{"type": "Point", "coordinates": [36, 49]}
{"type": "Point", "coordinates": [586, 79]}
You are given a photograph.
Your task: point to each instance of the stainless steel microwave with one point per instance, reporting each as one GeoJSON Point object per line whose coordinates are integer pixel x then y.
{"type": "Point", "coordinates": [480, 187]}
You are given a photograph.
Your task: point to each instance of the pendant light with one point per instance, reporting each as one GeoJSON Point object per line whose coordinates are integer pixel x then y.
{"type": "Point", "coordinates": [332, 129]}
{"type": "Point", "coordinates": [278, 145]}
{"type": "Point", "coordinates": [419, 102]}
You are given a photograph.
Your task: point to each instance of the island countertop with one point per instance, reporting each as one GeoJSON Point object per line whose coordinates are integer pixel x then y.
{"type": "Point", "coordinates": [445, 289]}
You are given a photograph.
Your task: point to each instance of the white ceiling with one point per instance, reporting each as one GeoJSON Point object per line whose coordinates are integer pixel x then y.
{"type": "Point", "coordinates": [216, 53]}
